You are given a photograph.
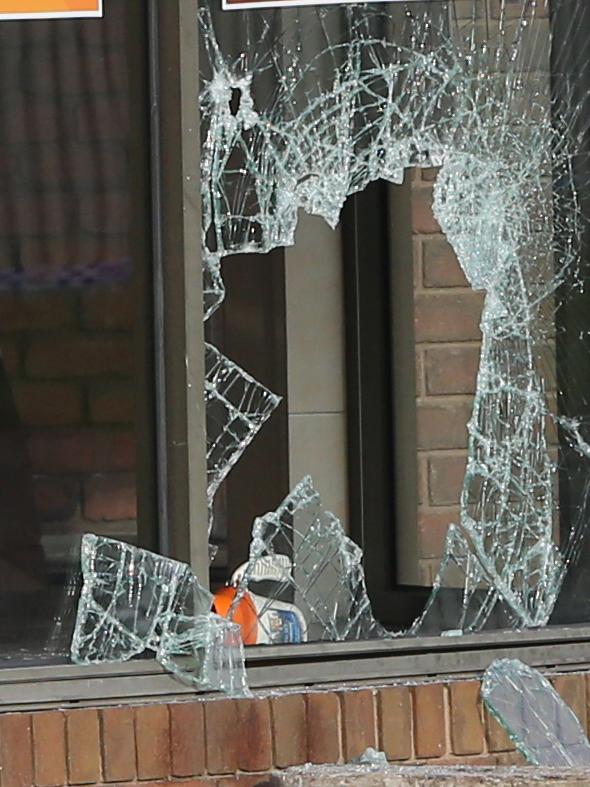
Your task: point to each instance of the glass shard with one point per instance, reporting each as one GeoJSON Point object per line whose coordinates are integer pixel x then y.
{"type": "Point", "coordinates": [213, 287]}
{"type": "Point", "coordinates": [132, 600]}
{"type": "Point", "coordinates": [237, 406]}
{"type": "Point", "coordinates": [535, 717]}
{"type": "Point", "coordinates": [129, 595]}
{"type": "Point", "coordinates": [503, 543]}
{"type": "Point", "coordinates": [315, 572]}
{"type": "Point", "coordinates": [206, 652]}
{"type": "Point", "coordinates": [372, 757]}
{"type": "Point", "coordinates": [303, 108]}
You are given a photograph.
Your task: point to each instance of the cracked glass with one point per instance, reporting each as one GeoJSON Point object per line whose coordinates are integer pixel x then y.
{"type": "Point", "coordinates": [476, 114]}
{"type": "Point", "coordinates": [318, 584]}
{"type": "Point", "coordinates": [133, 600]}
{"type": "Point", "coordinates": [304, 108]}
{"type": "Point", "coordinates": [302, 111]}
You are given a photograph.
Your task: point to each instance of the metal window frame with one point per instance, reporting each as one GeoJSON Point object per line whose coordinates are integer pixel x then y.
{"type": "Point", "coordinates": [178, 293]}
{"type": "Point", "coordinates": [381, 399]}
{"type": "Point", "coordinates": [181, 488]}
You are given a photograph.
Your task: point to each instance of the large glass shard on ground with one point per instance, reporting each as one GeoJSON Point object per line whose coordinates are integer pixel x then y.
{"type": "Point", "coordinates": [302, 108]}
{"type": "Point", "coordinates": [535, 717]}
{"type": "Point", "coordinates": [314, 571]}
{"type": "Point", "coordinates": [237, 406]}
{"type": "Point", "coordinates": [132, 600]}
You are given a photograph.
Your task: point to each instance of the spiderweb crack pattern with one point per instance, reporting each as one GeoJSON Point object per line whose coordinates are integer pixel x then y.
{"type": "Point", "coordinates": [312, 106]}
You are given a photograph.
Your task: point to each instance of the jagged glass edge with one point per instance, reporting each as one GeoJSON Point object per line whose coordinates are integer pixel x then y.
{"type": "Point", "coordinates": [561, 752]}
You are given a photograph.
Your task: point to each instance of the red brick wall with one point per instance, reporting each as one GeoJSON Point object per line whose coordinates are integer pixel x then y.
{"type": "Point", "coordinates": [226, 741]}
{"type": "Point", "coordinates": [447, 314]}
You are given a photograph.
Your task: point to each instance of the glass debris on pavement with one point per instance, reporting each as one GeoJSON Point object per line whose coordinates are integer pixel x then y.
{"type": "Point", "coordinates": [543, 728]}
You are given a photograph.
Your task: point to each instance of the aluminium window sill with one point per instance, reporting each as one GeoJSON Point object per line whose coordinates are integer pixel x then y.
{"type": "Point", "coordinates": [291, 667]}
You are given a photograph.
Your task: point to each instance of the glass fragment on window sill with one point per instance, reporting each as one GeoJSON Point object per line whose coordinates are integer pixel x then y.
{"type": "Point", "coordinates": [134, 600]}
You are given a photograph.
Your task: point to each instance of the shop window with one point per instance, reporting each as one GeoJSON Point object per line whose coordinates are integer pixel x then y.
{"type": "Point", "coordinates": [350, 333]}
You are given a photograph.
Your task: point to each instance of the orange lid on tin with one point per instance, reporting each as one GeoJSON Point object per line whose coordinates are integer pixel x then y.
{"type": "Point", "coordinates": [244, 612]}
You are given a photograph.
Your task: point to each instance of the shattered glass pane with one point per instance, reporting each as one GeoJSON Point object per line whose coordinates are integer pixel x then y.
{"type": "Point", "coordinates": [237, 406]}
{"type": "Point", "coordinates": [303, 108]}
{"type": "Point", "coordinates": [132, 600]}
{"type": "Point", "coordinates": [127, 598]}
{"type": "Point", "coordinates": [314, 580]}
{"type": "Point", "coordinates": [537, 720]}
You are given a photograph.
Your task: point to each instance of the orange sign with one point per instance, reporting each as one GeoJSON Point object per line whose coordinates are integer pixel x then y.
{"type": "Point", "coordinates": [49, 9]}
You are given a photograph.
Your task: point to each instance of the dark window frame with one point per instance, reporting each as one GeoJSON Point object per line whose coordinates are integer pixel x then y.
{"type": "Point", "coordinates": [178, 292]}
{"type": "Point", "coordinates": [381, 406]}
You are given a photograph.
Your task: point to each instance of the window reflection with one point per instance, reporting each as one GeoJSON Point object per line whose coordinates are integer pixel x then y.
{"type": "Point", "coordinates": [72, 318]}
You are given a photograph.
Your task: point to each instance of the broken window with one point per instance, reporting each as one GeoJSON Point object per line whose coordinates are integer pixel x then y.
{"type": "Point", "coordinates": [303, 109]}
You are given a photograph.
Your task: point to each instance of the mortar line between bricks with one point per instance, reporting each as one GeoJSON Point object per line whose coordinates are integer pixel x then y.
{"type": "Point", "coordinates": [375, 703]}
{"type": "Point", "coordinates": [67, 745]}
{"type": "Point", "coordinates": [170, 765]}
{"type": "Point", "coordinates": [379, 715]}
{"type": "Point", "coordinates": [454, 344]}
{"type": "Point", "coordinates": [206, 771]}
{"type": "Point", "coordinates": [101, 746]}
{"type": "Point", "coordinates": [412, 737]}
{"type": "Point", "coordinates": [486, 750]}
{"type": "Point", "coordinates": [444, 452]}
{"type": "Point", "coordinates": [31, 747]}
{"type": "Point", "coordinates": [451, 292]}
{"type": "Point", "coordinates": [413, 725]}
{"type": "Point", "coordinates": [341, 727]}
{"type": "Point", "coordinates": [448, 720]}
{"type": "Point", "coordinates": [273, 743]}
{"type": "Point", "coordinates": [438, 399]}
{"type": "Point", "coordinates": [34, 750]}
